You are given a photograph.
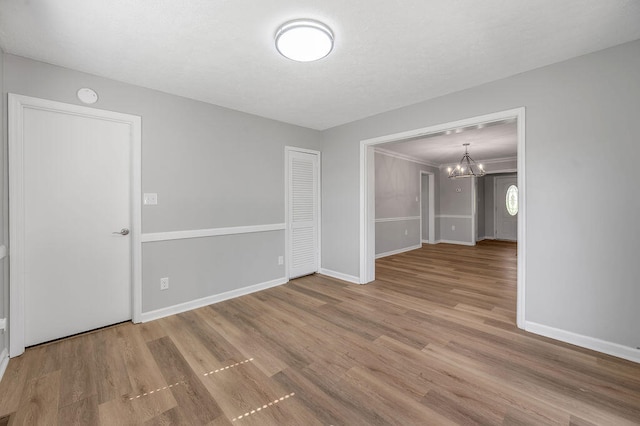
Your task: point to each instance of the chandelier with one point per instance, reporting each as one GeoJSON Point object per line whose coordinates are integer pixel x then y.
{"type": "Point", "coordinates": [466, 166]}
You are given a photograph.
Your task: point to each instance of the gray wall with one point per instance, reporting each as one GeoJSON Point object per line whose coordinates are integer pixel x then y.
{"type": "Point", "coordinates": [480, 207]}
{"type": "Point", "coordinates": [211, 167]}
{"type": "Point", "coordinates": [454, 204]}
{"type": "Point", "coordinates": [489, 211]}
{"type": "Point", "coordinates": [581, 116]}
{"type": "Point", "coordinates": [425, 206]}
{"type": "Point", "coordinates": [397, 193]}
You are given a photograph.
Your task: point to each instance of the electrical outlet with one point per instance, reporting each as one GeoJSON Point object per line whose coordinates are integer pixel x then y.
{"type": "Point", "coordinates": [164, 283]}
{"type": "Point", "coordinates": [406, 232]}
{"type": "Point", "coordinates": [280, 260]}
{"type": "Point", "coordinates": [453, 227]}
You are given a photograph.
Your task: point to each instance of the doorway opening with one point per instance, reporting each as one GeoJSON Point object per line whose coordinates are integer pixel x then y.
{"type": "Point", "coordinates": [367, 192]}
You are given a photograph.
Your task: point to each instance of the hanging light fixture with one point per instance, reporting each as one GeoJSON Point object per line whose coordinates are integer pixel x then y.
{"type": "Point", "coordinates": [466, 167]}
{"type": "Point", "coordinates": [304, 40]}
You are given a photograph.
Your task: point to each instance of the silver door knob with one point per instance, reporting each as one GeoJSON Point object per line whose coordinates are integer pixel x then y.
{"type": "Point", "coordinates": [123, 231]}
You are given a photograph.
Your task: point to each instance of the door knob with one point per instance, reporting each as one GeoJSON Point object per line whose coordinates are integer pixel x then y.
{"type": "Point", "coordinates": [123, 231]}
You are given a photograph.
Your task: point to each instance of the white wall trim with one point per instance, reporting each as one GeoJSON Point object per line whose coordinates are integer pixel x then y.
{"type": "Point", "coordinates": [592, 343]}
{"type": "Point", "coordinates": [405, 157]}
{"type": "Point", "coordinates": [462, 243]}
{"type": "Point", "coordinates": [397, 219]}
{"type": "Point", "coordinates": [495, 172]}
{"type": "Point", "coordinates": [455, 216]}
{"type": "Point", "coordinates": [3, 252]}
{"type": "Point", "coordinates": [3, 324]}
{"type": "Point", "coordinates": [211, 232]}
{"type": "Point", "coordinates": [398, 251]}
{"type": "Point", "coordinates": [16, 106]}
{"type": "Point", "coordinates": [340, 276]}
{"type": "Point", "coordinates": [4, 362]}
{"type": "Point", "coordinates": [209, 300]}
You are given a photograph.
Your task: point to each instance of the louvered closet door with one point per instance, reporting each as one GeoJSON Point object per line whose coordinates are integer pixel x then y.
{"type": "Point", "coordinates": [303, 213]}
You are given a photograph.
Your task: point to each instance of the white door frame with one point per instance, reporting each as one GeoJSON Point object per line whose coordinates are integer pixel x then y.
{"type": "Point", "coordinates": [287, 253]}
{"type": "Point", "coordinates": [432, 207]}
{"type": "Point", "coordinates": [367, 197]}
{"type": "Point", "coordinates": [16, 106]}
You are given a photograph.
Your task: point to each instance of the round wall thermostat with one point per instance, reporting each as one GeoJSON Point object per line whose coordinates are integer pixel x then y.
{"type": "Point", "coordinates": [87, 96]}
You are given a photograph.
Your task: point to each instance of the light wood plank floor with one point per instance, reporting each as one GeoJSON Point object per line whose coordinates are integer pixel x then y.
{"type": "Point", "coordinates": [432, 341]}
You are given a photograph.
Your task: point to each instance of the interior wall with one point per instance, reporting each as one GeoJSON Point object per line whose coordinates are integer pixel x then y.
{"type": "Point", "coordinates": [425, 206]}
{"type": "Point", "coordinates": [580, 280]}
{"type": "Point", "coordinates": [489, 210]}
{"type": "Point", "coordinates": [480, 208]}
{"type": "Point", "coordinates": [210, 166]}
{"type": "Point", "coordinates": [456, 210]}
{"type": "Point", "coordinates": [397, 203]}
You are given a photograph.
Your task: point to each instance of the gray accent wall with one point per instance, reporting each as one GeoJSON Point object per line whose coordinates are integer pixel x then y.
{"type": "Point", "coordinates": [425, 206]}
{"type": "Point", "coordinates": [211, 167]}
{"type": "Point", "coordinates": [456, 209]}
{"type": "Point", "coordinates": [489, 211]}
{"type": "Point", "coordinates": [581, 116]}
{"type": "Point", "coordinates": [397, 196]}
{"type": "Point", "coordinates": [480, 207]}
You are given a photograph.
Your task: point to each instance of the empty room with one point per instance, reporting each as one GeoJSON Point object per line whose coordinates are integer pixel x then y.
{"type": "Point", "coordinates": [319, 213]}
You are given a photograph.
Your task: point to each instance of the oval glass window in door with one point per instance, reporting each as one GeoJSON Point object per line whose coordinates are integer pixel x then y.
{"type": "Point", "coordinates": [512, 200]}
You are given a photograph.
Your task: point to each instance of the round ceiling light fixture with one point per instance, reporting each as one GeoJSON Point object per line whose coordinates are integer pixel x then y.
{"type": "Point", "coordinates": [304, 40]}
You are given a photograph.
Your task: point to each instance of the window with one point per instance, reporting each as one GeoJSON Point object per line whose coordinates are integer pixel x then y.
{"type": "Point", "coordinates": [512, 200]}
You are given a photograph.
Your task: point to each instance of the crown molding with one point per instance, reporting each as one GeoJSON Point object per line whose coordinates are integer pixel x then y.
{"type": "Point", "coordinates": [404, 157]}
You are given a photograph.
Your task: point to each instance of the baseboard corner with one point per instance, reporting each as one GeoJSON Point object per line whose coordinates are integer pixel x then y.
{"type": "Point", "coordinates": [339, 275]}
{"type": "Point", "coordinates": [593, 343]}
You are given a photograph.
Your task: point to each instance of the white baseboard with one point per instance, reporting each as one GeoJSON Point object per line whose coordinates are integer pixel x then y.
{"type": "Point", "coordinates": [599, 345]}
{"type": "Point", "coordinates": [462, 243]}
{"type": "Point", "coordinates": [340, 276]}
{"type": "Point", "coordinates": [402, 250]}
{"type": "Point", "coordinates": [4, 362]}
{"type": "Point", "coordinates": [488, 238]}
{"type": "Point", "coordinates": [209, 300]}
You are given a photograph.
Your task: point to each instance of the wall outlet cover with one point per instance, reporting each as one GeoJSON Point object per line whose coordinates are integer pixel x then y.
{"type": "Point", "coordinates": [164, 283]}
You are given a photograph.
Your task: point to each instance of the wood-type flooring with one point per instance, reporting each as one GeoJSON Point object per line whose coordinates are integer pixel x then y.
{"type": "Point", "coordinates": [431, 342]}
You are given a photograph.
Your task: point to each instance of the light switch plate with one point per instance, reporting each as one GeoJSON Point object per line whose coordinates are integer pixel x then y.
{"type": "Point", "coordinates": [150, 199]}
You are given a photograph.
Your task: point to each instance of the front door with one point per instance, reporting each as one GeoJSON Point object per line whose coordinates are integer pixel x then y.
{"type": "Point", "coordinates": [506, 201]}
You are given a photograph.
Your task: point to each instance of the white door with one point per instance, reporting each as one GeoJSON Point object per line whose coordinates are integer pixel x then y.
{"type": "Point", "coordinates": [74, 257]}
{"type": "Point", "coordinates": [506, 202]}
{"type": "Point", "coordinates": [303, 212]}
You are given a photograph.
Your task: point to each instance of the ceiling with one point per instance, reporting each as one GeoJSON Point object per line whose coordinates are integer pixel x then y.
{"type": "Point", "coordinates": [489, 142]}
{"type": "Point", "coordinates": [388, 54]}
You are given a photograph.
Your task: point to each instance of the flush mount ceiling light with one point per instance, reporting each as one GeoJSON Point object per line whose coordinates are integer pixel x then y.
{"type": "Point", "coordinates": [304, 40]}
{"type": "Point", "coordinates": [464, 169]}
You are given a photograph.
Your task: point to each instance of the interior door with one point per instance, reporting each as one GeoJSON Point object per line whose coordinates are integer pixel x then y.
{"type": "Point", "coordinates": [303, 212]}
{"type": "Point", "coordinates": [506, 202]}
{"type": "Point", "coordinates": [77, 216]}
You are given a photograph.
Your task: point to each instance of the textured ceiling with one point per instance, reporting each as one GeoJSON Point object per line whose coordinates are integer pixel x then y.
{"type": "Point", "coordinates": [387, 54]}
{"type": "Point", "coordinates": [494, 141]}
